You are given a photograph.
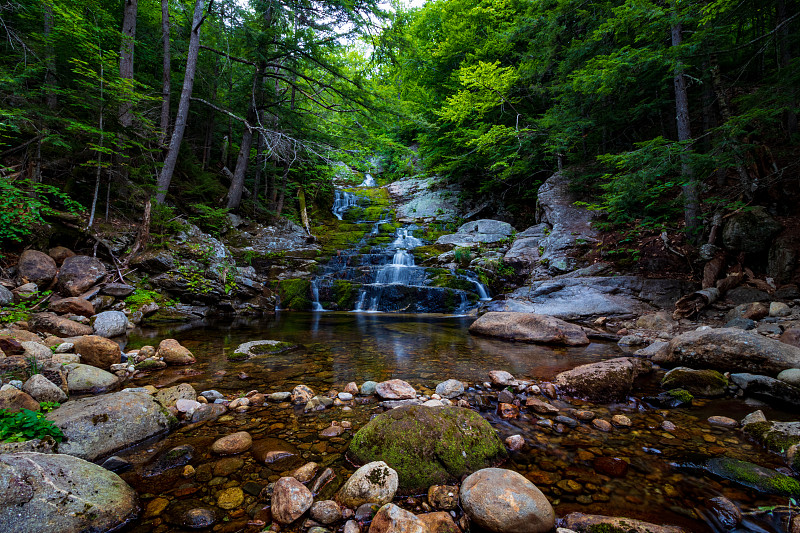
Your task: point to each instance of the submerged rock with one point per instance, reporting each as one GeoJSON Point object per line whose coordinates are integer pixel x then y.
{"type": "Point", "coordinates": [770, 390]}
{"type": "Point", "coordinates": [590, 523]}
{"type": "Point", "coordinates": [703, 383]}
{"type": "Point", "coordinates": [39, 494]}
{"type": "Point", "coordinates": [606, 381]}
{"type": "Point", "coordinates": [428, 445]}
{"type": "Point", "coordinates": [753, 476]}
{"type": "Point", "coordinates": [529, 327]}
{"type": "Point", "coordinates": [256, 348]}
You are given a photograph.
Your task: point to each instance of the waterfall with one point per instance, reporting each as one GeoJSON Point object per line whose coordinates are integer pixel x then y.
{"type": "Point", "coordinates": [342, 201]}
{"type": "Point", "coordinates": [480, 288]}
{"type": "Point", "coordinates": [315, 305]}
{"type": "Point", "coordinates": [369, 181]}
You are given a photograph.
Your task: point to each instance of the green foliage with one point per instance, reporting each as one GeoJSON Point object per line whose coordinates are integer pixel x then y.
{"type": "Point", "coordinates": [209, 219]}
{"type": "Point", "coordinates": [46, 407]}
{"type": "Point", "coordinates": [23, 206]}
{"type": "Point", "coordinates": [27, 425]}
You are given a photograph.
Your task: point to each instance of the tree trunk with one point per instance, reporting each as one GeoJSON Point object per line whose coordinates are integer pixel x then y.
{"type": "Point", "coordinates": [259, 167]}
{"type": "Point", "coordinates": [166, 85]}
{"type": "Point", "coordinates": [183, 105]}
{"type": "Point", "coordinates": [784, 58]}
{"type": "Point", "coordinates": [282, 192]}
{"type": "Point", "coordinates": [301, 200]}
{"type": "Point", "coordinates": [50, 74]}
{"type": "Point", "coordinates": [690, 193]}
{"type": "Point", "coordinates": [235, 191]}
{"type": "Point", "coordinates": [126, 59]}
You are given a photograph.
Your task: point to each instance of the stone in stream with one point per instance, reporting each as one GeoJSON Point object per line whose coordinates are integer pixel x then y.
{"type": "Point", "coordinates": [767, 389]}
{"type": "Point", "coordinates": [501, 378]}
{"type": "Point", "coordinates": [232, 444]}
{"type": "Point", "coordinates": [97, 351]}
{"type": "Point", "coordinates": [231, 498]}
{"type": "Point", "coordinates": [276, 454]}
{"type": "Point", "coordinates": [174, 458]}
{"type": "Point", "coordinates": [368, 388]}
{"type": "Point", "coordinates": [428, 445]}
{"type": "Point", "coordinates": [290, 499]}
{"type": "Point", "coordinates": [529, 327]}
{"type": "Point", "coordinates": [606, 381]}
{"type": "Point", "coordinates": [257, 348]}
{"type": "Point", "coordinates": [32, 483]}
{"type": "Point", "coordinates": [89, 379]}
{"type": "Point", "coordinates": [170, 395]}
{"type": "Point", "coordinates": [726, 513]}
{"type": "Point", "coordinates": [326, 512]}
{"type": "Point", "coordinates": [395, 389]}
{"type": "Point", "coordinates": [439, 522]}
{"type": "Point", "coordinates": [586, 522]}
{"type": "Point", "coordinates": [703, 383]}
{"type": "Point", "coordinates": [503, 501]}
{"type": "Point", "coordinates": [306, 473]}
{"type": "Point", "coordinates": [110, 324]}
{"type": "Point", "coordinates": [444, 497]}
{"type": "Point", "coordinates": [173, 353]}
{"type": "Point", "coordinates": [753, 476]}
{"type": "Point", "coordinates": [301, 395]}
{"type": "Point", "coordinates": [730, 350]}
{"type": "Point", "coordinates": [351, 388]}
{"type": "Point", "coordinates": [515, 442]}
{"type": "Point", "coordinates": [452, 388]}
{"type": "Point", "coordinates": [392, 519]}
{"type": "Point", "coordinates": [372, 483]}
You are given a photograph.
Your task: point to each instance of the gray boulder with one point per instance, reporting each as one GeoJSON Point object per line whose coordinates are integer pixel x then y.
{"type": "Point", "coordinates": [451, 388]}
{"type": "Point", "coordinates": [770, 390]}
{"type": "Point", "coordinates": [589, 522]}
{"type": "Point", "coordinates": [110, 324]}
{"type": "Point", "coordinates": [170, 395]}
{"type": "Point", "coordinates": [88, 379]}
{"type": "Point", "coordinates": [42, 389]}
{"type": "Point", "coordinates": [101, 425]}
{"type": "Point", "coordinates": [484, 231]}
{"type": "Point", "coordinates": [46, 493]}
{"type": "Point", "coordinates": [6, 296]}
{"type": "Point", "coordinates": [374, 482]}
{"type": "Point", "coordinates": [606, 381]}
{"type": "Point", "coordinates": [524, 254]}
{"type": "Point", "coordinates": [730, 350]}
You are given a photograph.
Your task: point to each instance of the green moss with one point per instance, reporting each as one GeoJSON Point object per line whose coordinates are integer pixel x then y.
{"type": "Point", "coordinates": [605, 528]}
{"type": "Point", "coordinates": [423, 253]}
{"type": "Point", "coordinates": [344, 294]}
{"type": "Point", "coordinates": [754, 476]}
{"type": "Point", "coordinates": [697, 382]}
{"type": "Point", "coordinates": [295, 294]}
{"type": "Point", "coordinates": [450, 281]}
{"type": "Point", "coordinates": [682, 395]}
{"type": "Point", "coordinates": [764, 433]}
{"type": "Point", "coordinates": [147, 364]}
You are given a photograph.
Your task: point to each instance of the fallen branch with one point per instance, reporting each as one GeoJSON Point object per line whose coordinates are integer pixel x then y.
{"type": "Point", "coordinates": [691, 304]}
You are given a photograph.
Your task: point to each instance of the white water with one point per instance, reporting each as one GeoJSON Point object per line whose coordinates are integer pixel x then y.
{"type": "Point", "coordinates": [342, 201]}
{"type": "Point", "coordinates": [369, 181]}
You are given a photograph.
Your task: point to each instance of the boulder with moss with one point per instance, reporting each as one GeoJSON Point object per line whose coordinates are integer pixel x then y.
{"type": "Point", "coordinates": [703, 383]}
{"type": "Point", "coordinates": [428, 445]}
{"type": "Point", "coordinates": [257, 348]}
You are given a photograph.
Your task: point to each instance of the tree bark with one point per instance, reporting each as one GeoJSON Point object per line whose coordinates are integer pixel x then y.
{"type": "Point", "coordinates": [785, 57]}
{"type": "Point", "coordinates": [126, 58]}
{"type": "Point", "coordinates": [239, 173]}
{"type": "Point", "coordinates": [691, 198]}
{"type": "Point", "coordinates": [166, 85]}
{"type": "Point", "coordinates": [183, 105]}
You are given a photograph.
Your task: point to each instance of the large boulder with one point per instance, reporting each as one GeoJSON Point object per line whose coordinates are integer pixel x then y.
{"type": "Point", "coordinates": [60, 254]}
{"type": "Point", "coordinates": [750, 230]}
{"type": "Point", "coordinates": [606, 381]}
{"type": "Point", "coordinates": [58, 325]}
{"type": "Point", "coordinates": [173, 353]}
{"type": "Point", "coordinates": [392, 519]}
{"type": "Point", "coordinates": [484, 231]}
{"type": "Point", "coordinates": [78, 274]}
{"type": "Point", "coordinates": [428, 445]}
{"type": "Point", "coordinates": [110, 324]}
{"type": "Point", "coordinates": [72, 305]}
{"type": "Point", "coordinates": [36, 267]}
{"type": "Point", "coordinates": [100, 425]}
{"type": "Point", "coordinates": [372, 483]}
{"type": "Point", "coordinates": [525, 253]}
{"type": "Point", "coordinates": [97, 351]}
{"type": "Point", "coordinates": [730, 350]}
{"type": "Point", "coordinates": [770, 390]}
{"type": "Point", "coordinates": [585, 523]}
{"type": "Point", "coordinates": [529, 327]}
{"type": "Point", "coordinates": [88, 379]}
{"type": "Point", "coordinates": [703, 383]}
{"type": "Point", "coordinates": [503, 501]}
{"type": "Point", "coordinates": [45, 493]}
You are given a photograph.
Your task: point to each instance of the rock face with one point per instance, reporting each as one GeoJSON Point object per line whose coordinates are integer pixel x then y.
{"type": "Point", "coordinates": [395, 389]}
{"type": "Point", "coordinates": [606, 381]}
{"type": "Point", "coordinates": [503, 501]}
{"type": "Point", "coordinates": [72, 305]}
{"type": "Point", "coordinates": [750, 231]}
{"type": "Point", "coordinates": [524, 253]}
{"type": "Point", "coordinates": [42, 389]}
{"type": "Point", "coordinates": [392, 519]}
{"type": "Point", "coordinates": [586, 522]}
{"type": "Point", "coordinates": [97, 351]}
{"type": "Point", "coordinates": [110, 324]}
{"type": "Point", "coordinates": [101, 425]}
{"type": "Point", "coordinates": [290, 499]}
{"type": "Point", "coordinates": [78, 274]}
{"type": "Point", "coordinates": [173, 353]}
{"type": "Point", "coordinates": [730, 349]}
{"type": "Point", "coordinates": [483, 231]}
{"type": "Point", "coordinates": [428, 445]}
{"type": "Point", "coordinates": [37, 497]}
{"type": "Point", "coordinates": [372, 483]}
{"type": "Point", "coordinates": [58, 326]}
{"type": "Point", "coordinates": [703, 383]}
{"type": "Point", "coordinates": [36, 267]}
{"type": "Point", "coordinates": [529, 327]}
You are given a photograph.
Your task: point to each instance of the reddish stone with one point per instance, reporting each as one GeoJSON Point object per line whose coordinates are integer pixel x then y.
{"type": "Point", "coordinates": [610, 466]}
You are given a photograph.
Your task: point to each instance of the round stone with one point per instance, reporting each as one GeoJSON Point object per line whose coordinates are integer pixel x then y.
{"type": "Point", "coordinates": [232, 444]}
{"type": "Point", "coordinates": [230, 498]}
{"type": "Point", "coordinates": [290, 499]}
{"type": "Point", "coordinates": [198, 518]}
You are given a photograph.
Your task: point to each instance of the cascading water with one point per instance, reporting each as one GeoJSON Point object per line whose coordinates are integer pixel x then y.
{"type": "Point", "coordinates": [369, 181]}
{"type": "Point", "coordinates": [342, 201]}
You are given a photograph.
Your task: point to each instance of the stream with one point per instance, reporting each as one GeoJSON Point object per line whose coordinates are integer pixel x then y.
{"type": "Point", "coordinates": [424, 349]}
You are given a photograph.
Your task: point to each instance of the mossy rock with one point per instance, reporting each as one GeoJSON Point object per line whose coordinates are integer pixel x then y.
{"type": "Point", "coordinates": [167, 314]}
{"type": "Point", "coordinates": [259, 348]}
{"type": "Point", "coordinates": [428, 445]}
{"type": "Point", "coordinates": [295, 294]}
{"type": "Point", "coordinates": [753, 476]}
{"type": "Point", "coordinates": [148, 364]}
{"type": "Point", "coordinates": [703, 383]}
{"type": "Point", "coordinates": [775, 436]}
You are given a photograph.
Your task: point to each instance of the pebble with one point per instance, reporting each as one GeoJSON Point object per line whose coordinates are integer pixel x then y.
{"type": "Point", "coordinates": [621, 420]}
{"type": "Point", "coordinates": [232, 444]}
{"type": "Point", "coordinates": [345, 396]}
{"type": "Point", "coordinates": [230, 498]}
{"type": "Point", "coordinates": [515, 442]}
{"type": "Point", "coordinates": [602, 425]}
{"type": "Point", "coordinates": [666, 425]}
{"type": "Point", "coordinates": [723, 421]}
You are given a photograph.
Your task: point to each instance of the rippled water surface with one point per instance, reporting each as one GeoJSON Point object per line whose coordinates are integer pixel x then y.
{"type": "Point", "coordinates": [336, 348]}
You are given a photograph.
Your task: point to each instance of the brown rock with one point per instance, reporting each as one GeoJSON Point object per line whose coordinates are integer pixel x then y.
{"type": "Point", "coordinates": [173, 353]}
{"type": "Point", "coordinates": [36, 267]}
{"type": "Point", "coordinates": [60, 254]}
{"type": "Point", "coordinates": [507, 410]}
{"type": "Point", "coordinates": [14, 401]}
{"type": "Point", "coordinates": [602, 425]}
{"type": "Point", "coordinates": [290, 499]}
{"type": "Point", "coordinates": [529, 327]}
{"type": "Point", "coordinates": [726, 512]}
{"type": "Point", "coordinates": [538, 406]}
{"type": "Point", "coordinates": [234, 443]}
{"type": "Point", "coordinates": [78, 273]}
{"type": "Point", "coordinates": [395, 389]}
{"type": "Point", "coordinates": [440, 522]}
{"type": "Point", "coordinates": [392, 519]}
{"type": "Point", "coordinates": [621, 421]}
{"type": "Point", "coordinates": [444, 497]}
{"type": "Point", "coordinates": [97, 351]}
{"type": "Point", "coordinates": [306, 473]}
{"type": "Point", "coordinates": [515, 442]}
{"type": "Point", "coordinates": [72, 305]}
{"type": "Point", "coordinates": [723, 421]}
{"type": "Point", "coordinates": [57, 325]}
{"type": "Point", "coordinates": [301, 395]}
{"type": "Point", "coordinates": [326, 512]}
{"type": "Point", "coordinates": [227, 466]}
{"type": "Point", "coordinates": [584, 522]}
{"type": "Point", "coordinates": [791, 336]}
{"type": "Point", "coordinates": [351, 388]}
{"type": "Point", "coordinates": [610, 466]}
{"type": "Point", "coordinates": [606, 381]}
{"type": "Point", "coordinates": [11, 346]}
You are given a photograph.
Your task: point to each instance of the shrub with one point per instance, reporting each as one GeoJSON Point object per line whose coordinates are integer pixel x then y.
{"type": "Point", "coordinates": [27, 425]}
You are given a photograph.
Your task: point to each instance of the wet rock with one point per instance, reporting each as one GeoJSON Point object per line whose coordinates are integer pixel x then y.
{"type": "Point", "coordinates": [440, 522]}
{"type": "Point", "coordinates": [238, 442]}
{"type": "Point", "coordinates": [725, 512]}
{"type": "Point", "coordinates": [42, 389]}
{"type": "Point", "coordinates": [529, 327]}
{"type": "Point", "coordinates": [325, 477]}
{"type": "Point", "coordinates": [790, 376]}
{"type": "Point", "coordinates": [368, 388]}
{"type": "Point", "coordinates": [515, 442]}
{"type": "Point", "coordinates": [227, 465]}
{"type": "Point", "coordinates": [306, 473]}
{"type": "Point", "coordinates": [36, 267]}
{"type": "Point", "coordinates": [775, 436]}
{"type": "Point", "coordinates": [97, 351]}
{"type": "Point", "coordinates": [290, 499]}
{"type": "Point", "coordinates": [116, 464]}
{"type": "Point", "coordinates": [731, 350]}
{"type": "Point", "coordinates": [392, 519]}
{"type": "Point", "coordinates": [78, 274]}
{"type": "Point", "coordinates": [173, 458]}
{"type": "Point", "coordinates": [606, 381]}
{"type": "Point", "coordinates": [768, 389]}
{"type": "Point", "coordinates": [198, 518]}
{"type": "Point", "coordinates": [279, 396]}
{"type": "Point", "coordinates": [602, 425]}
{"type": "Point", "coordinates": [351, 526]}
{"type": "Point", "coordinates": [31, 482]}
{"type": "Point", "coordinates": [14, 400]}
{"type": "Point", "coordinates": [586, 523]}
{"type": "Point", "coordinates": [73, 306]}
{"type": "Point", "coordinates": [301, 395]}
{"type": "Point", "coordinates": [610, 466]}
{"type": "Point", "coordinates": [83, 379]}
{"type": "Point", "coordinates": [754, 417]}
{"type": "Point", "coordinates": [92, 425]}
{"type": "Point", "coordinates": [621, 421]}
{"type": "Point", "coordinates": [503, 501]}
{"type": "Point", "coordinates": [172, 353]}
{"type": "Point", "coordinates": [372, 483]}
{"type": "Point", "coordinates": [326, 512]}
{"type": "Point", "coordinates": [395, 389]}
{"type": "Point", "coordinates": [351, 388]}
{"type": "Point", "coordinates": [703, 383]}
{"type": "Point", "coordinates": [428, 446]}
{"type": "Point", "coordinates": [276, 454]}
{"type": "Point", "coordinates": [722, 421]}
{"type": "Point", "coordinates": [258, 348]}
{"type": "Point", "coordinates": [507, 410]}
{"type": "Point", "coordinates": [791, 336]}
{"type": "Point", "coordinates": [505, 396]}
{"type": "Point", "coordinates": [110, 324]}
{"type": "Point", "coordinates": [57, 325]}
{"type": "Point", "coordinates": [331, 431]}
{"type": "Point", "coordinates": [753, 476]}
{"type": "Point", "coordinates": [452, 388]}
{"type": "Point", "coordinates": [539, 406]}
{"type": "Point", "coordinates": [233, 497]}
{"type": "Point", "coordinates": [170, 396]}
{"type": "Point", "coordinates": [501, 378]}
{"type": "Point", "coordinates": [444, 497]}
